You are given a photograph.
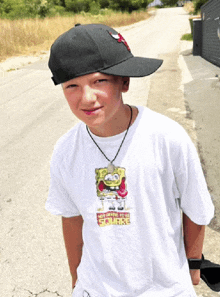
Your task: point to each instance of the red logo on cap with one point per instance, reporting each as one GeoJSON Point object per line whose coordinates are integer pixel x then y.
{"type": "Point", "coordinates": [120, 38]}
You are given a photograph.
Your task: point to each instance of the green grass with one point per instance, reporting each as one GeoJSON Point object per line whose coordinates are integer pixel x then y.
{"type": "Point", "coordinates": [187, 37]}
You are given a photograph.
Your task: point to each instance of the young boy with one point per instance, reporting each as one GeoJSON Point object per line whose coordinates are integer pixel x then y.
{"type": "Point", "coordinates": [122, 176]}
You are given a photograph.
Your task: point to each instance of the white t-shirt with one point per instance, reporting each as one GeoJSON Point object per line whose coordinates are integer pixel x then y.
{"type": "Point", "coordinates": [133, 243]}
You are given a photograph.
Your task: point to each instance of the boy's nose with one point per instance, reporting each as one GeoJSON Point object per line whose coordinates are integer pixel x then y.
{"type": "Point", "coordinates": [88, 94]}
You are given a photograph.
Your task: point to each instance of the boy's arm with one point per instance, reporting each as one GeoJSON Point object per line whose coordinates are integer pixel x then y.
{"type": "Point", "coordinates": [72, 233]}
{"type": "Point", "coordinates": [193, 240]}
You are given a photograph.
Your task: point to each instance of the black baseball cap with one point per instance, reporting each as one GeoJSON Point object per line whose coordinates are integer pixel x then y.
{"type": "Point", "coordinates": [92, 48]}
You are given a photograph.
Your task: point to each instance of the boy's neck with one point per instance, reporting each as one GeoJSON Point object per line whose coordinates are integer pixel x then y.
{"type": "Point", "coordinates": [119, 124]}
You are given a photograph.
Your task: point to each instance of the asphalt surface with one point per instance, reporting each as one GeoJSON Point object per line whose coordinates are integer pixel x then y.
{"type": "Point", "coordinates": [203, 96]}
{"type": "Point", "coordinates": [34, 114]}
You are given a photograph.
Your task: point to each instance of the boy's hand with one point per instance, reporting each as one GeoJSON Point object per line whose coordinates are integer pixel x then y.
{"type": "Point", "coordinates": [72, 233]}
{"type": "Point", "coordinates": [193, 241]}
{"type": "Point", "coordinates": [74, 279]}
{"type": "Point", "coordinates": [195, 276]}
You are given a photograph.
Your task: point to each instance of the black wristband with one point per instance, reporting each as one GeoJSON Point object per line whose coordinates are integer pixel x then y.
{"type": "Point", "coordinates": [195, 264]}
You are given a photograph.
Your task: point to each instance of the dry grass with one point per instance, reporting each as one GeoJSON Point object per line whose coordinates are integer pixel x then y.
{"type": "Point", "coordinates": [34, 35]}
{"type": "Point", "coordinates": [189, 7]}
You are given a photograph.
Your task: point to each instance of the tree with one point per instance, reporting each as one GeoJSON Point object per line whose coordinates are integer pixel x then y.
{"type": "Point", "coordinates": [59, 3]}
{"type": "Point", "coordinates": [77, 5]}
{"type": "Point", "coordinates": [104, 3]}
{"type": "Point", "coordinates": [198, 5]}
{"type": "Point", "coordinates": [128, 5]}
{"type": "Point", "coordinates": [15, 9]}
{"type": "Point", "coordinates": [7, 6]}
{"type": "Point", "coordinates": [169, 2]}
{"type": "Point", "coordinates": [37, 7]}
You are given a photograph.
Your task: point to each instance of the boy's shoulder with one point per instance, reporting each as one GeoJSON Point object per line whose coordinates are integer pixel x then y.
{"type": "Point", "coordinates": [65, 143]}
{"type": "Point", "coordinates": [160, 124]}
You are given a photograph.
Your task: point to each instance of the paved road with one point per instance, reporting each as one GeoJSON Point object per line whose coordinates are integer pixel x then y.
{"type": "Point", "coordinates": [203, 93]}
{"type": "Point", "coordinates": [33, 115]}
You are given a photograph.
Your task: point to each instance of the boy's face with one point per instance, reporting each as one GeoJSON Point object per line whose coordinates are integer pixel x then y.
{"type": "Point", "coordinates": [96, 98]}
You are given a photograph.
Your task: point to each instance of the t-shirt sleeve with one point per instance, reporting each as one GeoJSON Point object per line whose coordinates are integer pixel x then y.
{"type": "Point", "coordinates": [59, 201]}
{"type": "Point", "coordinates": [195, 200]}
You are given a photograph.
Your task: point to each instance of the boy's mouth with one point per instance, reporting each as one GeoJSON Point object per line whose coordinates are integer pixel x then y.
{"type": "Point", "coordinates": [92, 110]}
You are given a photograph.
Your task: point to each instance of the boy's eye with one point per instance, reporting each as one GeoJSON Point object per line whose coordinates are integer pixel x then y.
{"type": "Point", "coordinates": [102, 80]}
{"type": "Point", "coordinates": [71, 86]}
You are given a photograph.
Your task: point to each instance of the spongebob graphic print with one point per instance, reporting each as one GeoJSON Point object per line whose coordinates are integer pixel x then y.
{"type": "Point", "coordinates": [112, 194]}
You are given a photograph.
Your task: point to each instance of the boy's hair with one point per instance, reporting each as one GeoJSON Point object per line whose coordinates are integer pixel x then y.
{"type": "Point", "coordinates": [93, 48]}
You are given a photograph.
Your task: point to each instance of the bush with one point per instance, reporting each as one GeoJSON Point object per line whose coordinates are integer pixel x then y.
{"type": "Point", "coordinates": [19, 9]}
{"type": "Point", "coordinates": [60, 10]}
{"type": "Point", "coordinates": [94, 8]}
{"type": "Point", "coordinates": [8, 6]}
{"type": "Point", "coordinates": [128, 5]}
{"type": "Point", "coordinates": [14, 9]}
{"type": "Point", "coordinates": [104, 3]}
{"type": "Point", "coordinates": [77, 5]}
{"type": "Point", "coordinates": [198, 5]}
{"type": "Point", "coordinates": [169, 2]}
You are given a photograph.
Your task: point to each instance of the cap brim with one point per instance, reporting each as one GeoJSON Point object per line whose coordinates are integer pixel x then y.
{"type": "Point", "coordinates": [134, 67]}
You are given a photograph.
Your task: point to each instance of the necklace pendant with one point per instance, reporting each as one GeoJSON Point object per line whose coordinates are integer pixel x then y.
{"type": "Point", "coordinates": [111, 168]}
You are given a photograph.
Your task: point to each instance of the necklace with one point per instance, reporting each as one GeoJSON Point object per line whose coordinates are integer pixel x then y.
{"type": "Point", "coordinates": [111, 166]}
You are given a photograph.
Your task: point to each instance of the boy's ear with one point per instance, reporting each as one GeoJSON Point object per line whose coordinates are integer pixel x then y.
{"type": "Point", "coordinates": [126, 83]}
